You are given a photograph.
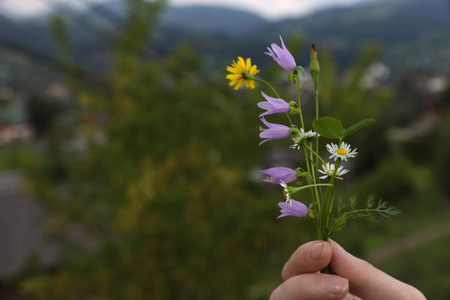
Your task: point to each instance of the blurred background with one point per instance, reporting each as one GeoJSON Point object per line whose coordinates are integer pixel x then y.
{"type": "Point", "coordinates": [129, 167]}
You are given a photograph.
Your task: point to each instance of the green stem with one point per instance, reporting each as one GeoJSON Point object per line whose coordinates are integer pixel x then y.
{"type": "Point", "coordinates": [310, 169]}
{"type": "Point", "coordinates": [332, 179]}
{"type": "Point", "coordinates": [318, 192]}
{"type": "Point", "coordinates": [319, 232]}
{"type": "Point", "coordinates": [311, 186]}
{"type": "Point", "coordinates": [299, 104]}
{"type": "Point", "coordinates": [310, 172]}
{"type": "Point", "coordinates": [317, 102]}
{"type": "Point", "coordinates": [317, 155]}
{"type": "Point", "coordinates": [316, 88]}
{"type": "Point", "coordinates": [269, 85]}
{"type": "Point", "coordinates": [324, 214]}
{"type": "Point", "coordinates": [314, 194]}
{"type": "Point", "coordinates": [326, 270]}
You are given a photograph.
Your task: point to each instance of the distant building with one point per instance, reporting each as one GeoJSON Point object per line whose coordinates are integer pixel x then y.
{"type": "Point", "coordinates": [56, 90]}
{"type": "Point", "coordinates": [16, 133]}
{"type": "Point", "coordinates": [375, 75]}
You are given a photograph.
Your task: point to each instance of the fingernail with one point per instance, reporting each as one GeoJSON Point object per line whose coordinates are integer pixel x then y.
{"type": "Point", "coordinates": [335, 285]}
{"type": "Point", "coordinates": [317, 250]}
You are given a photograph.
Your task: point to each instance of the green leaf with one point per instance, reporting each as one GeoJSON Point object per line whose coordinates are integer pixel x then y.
{"type": "Point", "coordinates": [328, 127]}
{"type": "Point", "coordinates": [358, 126]}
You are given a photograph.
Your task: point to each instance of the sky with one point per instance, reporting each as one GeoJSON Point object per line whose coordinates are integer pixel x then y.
{"type": "Point", "coordinates": [273, 9]}
{"type": "Point", "coordinates": [269, 9]}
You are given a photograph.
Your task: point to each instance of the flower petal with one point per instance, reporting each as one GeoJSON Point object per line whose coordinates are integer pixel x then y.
{"type": "Point", "coordinates": [296, 209]}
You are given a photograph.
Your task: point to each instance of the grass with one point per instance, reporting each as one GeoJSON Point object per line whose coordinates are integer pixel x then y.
{"type": "Point", "coordinates": [11, 156]}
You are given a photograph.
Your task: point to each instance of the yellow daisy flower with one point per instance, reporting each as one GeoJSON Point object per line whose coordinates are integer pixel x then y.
{"type": "Point", "coordinates": [238, 70]}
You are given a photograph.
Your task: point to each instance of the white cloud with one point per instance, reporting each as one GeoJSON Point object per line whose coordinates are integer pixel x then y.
{"type": "Point", "coordinates": [25, 8]}
{"type": "Point", "coordinates": [272, 9]}
{"type": "Point", "coordinates": [22, 7]}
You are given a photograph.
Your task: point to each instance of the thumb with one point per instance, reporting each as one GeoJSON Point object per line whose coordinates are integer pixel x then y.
{"type": "Point", "coordinates": [368, 282]}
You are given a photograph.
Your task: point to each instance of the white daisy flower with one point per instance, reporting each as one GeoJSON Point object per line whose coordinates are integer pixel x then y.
{"type": "Point", "coordinates": [298, 139]}
{"type": "Point", "coordinates": [328, 171]}
{"type": "Point", "coordinates": [342, 152]}
{"type": "Point", "coordinates": [286, 192]}
{"type": "Point", "coordinates": [311, 134]}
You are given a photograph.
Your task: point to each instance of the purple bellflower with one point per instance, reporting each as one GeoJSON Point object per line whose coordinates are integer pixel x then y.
{"type": "Point", "coordinates": [273, 105]}
{"type": "Point", "coordinates": [293, 208]}
{"type": "Point", "coordinates": [279, 174]}
{"type": "Point", "coordinates": [274, 131]}
{"type": "Point", "coordinates": [282, 56]}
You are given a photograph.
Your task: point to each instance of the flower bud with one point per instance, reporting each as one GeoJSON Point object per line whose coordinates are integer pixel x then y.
{"type": "Point", "coordinates": [294, 131]}
{"type": "Point", "coordinates": [294, 108]}
{"type": "Point", "coordinates": [314, 67]}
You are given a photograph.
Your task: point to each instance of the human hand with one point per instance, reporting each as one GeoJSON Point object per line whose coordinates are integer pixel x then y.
{"type": "Point", "coordinates": [302, 280]}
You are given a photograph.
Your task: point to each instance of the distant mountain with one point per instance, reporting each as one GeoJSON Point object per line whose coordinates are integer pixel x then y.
{"type": "Point", "coordinates": [209, 19]}
{"type": "Point", "coordinates": [17, 36]}
{"type": "Point", "coordinates": [389, 21]}
{"type": "Point", "coordinates": [413, 33]}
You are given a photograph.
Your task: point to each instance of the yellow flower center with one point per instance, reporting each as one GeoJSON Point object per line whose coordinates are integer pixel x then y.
{"type": "Point", "coordinates": [341, 151]}
{"type": "Point", "coordinates": [330, 172]}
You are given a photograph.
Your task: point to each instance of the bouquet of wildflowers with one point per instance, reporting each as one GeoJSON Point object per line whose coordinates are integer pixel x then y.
{"type": "Point", "coordinates": [319, 173]}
